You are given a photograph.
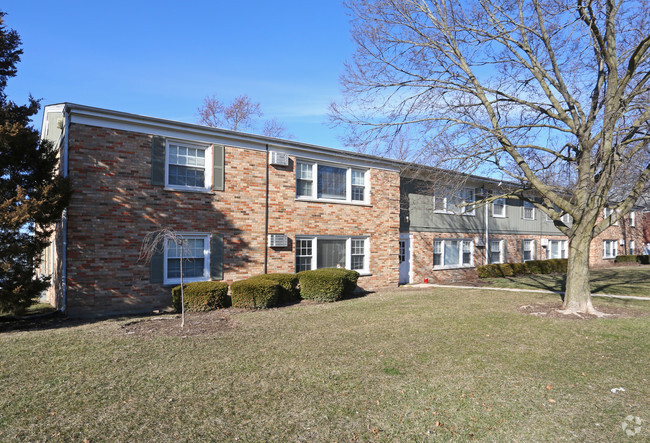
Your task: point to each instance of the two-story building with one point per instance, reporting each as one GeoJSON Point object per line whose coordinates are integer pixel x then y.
{"type": "Point", "coordinates": [249, 204]}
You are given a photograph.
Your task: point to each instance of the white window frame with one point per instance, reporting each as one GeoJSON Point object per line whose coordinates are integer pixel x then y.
{"type": "Point", "coordinates": [348, 183]}
{"type": "Point", "coordinates": [348, 250]}
{"type": "Point", "coordinates": [208, 167]}
{"type": "Point", "coordinates": [632, 219]}
{"type": "Point", "coordinates": [528, 205]}
{"type": "Point", "coordinates": [532, 250]}
{"type": "Point", "coordinates": [631, 249]}
{"type": "Point", "coordinates": [562, 248]}
{"type": "Point", "coordinates": [607, 212]}
{"type": "Point", "coordinates": [503, 213]}
{"type": "Point", "coordinates": [464, 196]}
{"type": "Point", "coordinates": [500, 244]}
{"type": "Point", "coordinates": [206, 259]}
{"type": "Point", "coordinates": [462, 242]}
{"type": "Point", "coordinates": [611, 251]}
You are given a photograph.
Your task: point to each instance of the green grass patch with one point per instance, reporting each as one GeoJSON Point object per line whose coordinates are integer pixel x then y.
{"type": "Point", "coordinates": [633, 280]}
{"type": "Point", "coordinates": [441, 364]}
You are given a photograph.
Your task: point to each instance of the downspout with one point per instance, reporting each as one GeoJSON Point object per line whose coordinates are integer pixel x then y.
{"type": "Point", "coordinates": [487, 235]}
{"type": "Point", "coordinates": [266, 216]}
{"type": "Point", "coordinates": [64, 218]}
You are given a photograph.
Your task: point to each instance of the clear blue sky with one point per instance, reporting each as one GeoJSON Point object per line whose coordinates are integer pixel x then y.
{"type": "Point", "coordinates": [162, 58]}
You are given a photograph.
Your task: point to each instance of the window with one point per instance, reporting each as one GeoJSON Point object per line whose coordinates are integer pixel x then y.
{"type": "Point", "coordinates": [186, 167]}
{"type": "Point", "coordinates": [632, 219]}
{"type": "Point", "coordinates": [556, 249]}
{"type": "Point", "coordinates": [195, 250]}
{"type": "Point", "coordinates": [566, 218]}
{"type": "Point", "coordinates": [528, 211]}
{"type": "Point", "coordinates": [528, 250]}
{"type": "Point", "coordinates": [496, 251]}
{"type": "Point", "coordinates": [333, 183]}
{"type": "Point", "coordinates": [607, 212]}
{"type": "Point", "coordinates": [452, 253]}
{"type": "Point", "coordinates": [632, 247]}
{"type": "Point", "coordinates": [331, 252]}
{"type": "Point", "coordinates": [456, 204]}
{"type": "Point", "coordinates": [609, 248]}
{"type": "Point", "coordinates": [499, 207]}
{"type": "Point", "coordinates": [402, 251]}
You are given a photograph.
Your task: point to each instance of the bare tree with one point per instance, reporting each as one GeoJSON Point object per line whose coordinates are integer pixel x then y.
{"type": "Point", "coordinates": [240, 115]}
{"type": "Point", "coordinates": [538, 89]}
{"type": "Point", "coordinates": [155, 242]}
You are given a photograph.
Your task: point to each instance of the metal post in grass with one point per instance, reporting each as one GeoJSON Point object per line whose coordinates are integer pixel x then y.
{"type": "Point", "coordinates": [154, 242]}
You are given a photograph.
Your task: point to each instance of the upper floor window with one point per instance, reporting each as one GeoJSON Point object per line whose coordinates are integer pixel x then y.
{"type": "Point", "coordinates": [186, 167]}
{"type": "Point", "coordinates": [328, 182]}
{"type": "Point", "coordinates": [632, 219]}
{"type": "Point", "coordinates": [461, 203]}
{"type": "Point", "coordinates": [499, 207]}
{"type": "Point", "coordinates": [607, 212]}
{"type": "Point", "coordinates": [528, 211]}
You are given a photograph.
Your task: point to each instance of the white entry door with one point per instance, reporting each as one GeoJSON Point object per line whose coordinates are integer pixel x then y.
{"type": "Point", "coordinates": [404, 260]}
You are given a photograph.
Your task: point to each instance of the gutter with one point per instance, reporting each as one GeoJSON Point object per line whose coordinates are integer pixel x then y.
{"type": "Point", "coordinates": [266, 216]}
{"type": "Point", "coordinates": [64, 218]}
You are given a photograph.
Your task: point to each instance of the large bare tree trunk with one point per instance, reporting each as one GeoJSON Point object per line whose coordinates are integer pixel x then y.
{"type": "Point", "coordinates": [577, 298]}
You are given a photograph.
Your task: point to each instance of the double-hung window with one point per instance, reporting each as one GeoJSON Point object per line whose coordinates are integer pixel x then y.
{"type": "Point", "coordinates": [632, 219]}
{"type": "Point", "coordinates": [632, 247]}
{"type": "Point", "coordinates": [452, 253]}
{"type": "Point", "coordinates": [499, 207]}
{"type": "Point", "coordinates": [496, 251]}
{"type": "Point", "coordinates": [528, 250]}
{"type": "Point", "coordinates": [331, 183]}
{"type": "Point", "coordinates": [607, 212]}
{"type": "Point", "coordinates": [528, 211]}
{"type": "Point", "coordinates": [186, 167]}
{"type": "Point", "coordinates": [609, 248]}
{"type": "Point", "coordinates": [460, 203]}
{"type": "Point", "coordinates": [194, 249]}
{"type": "Point", "coordinates": [332, 252]}
{"type": "Point", "coordinates": [556, 249]}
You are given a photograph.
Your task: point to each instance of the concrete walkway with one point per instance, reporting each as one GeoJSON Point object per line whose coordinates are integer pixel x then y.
{"type": "Point", "coordinates": [540, 291]}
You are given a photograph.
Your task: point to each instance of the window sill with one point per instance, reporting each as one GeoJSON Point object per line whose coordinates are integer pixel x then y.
{"type": "Point", "coordinates": [326, 200]}
{"type": "Point", "coordinates": [445, 268]}
{"type": "Point", "coordinates": [194, 191]}
{"type": "Point", "coordinates": [498, 216]}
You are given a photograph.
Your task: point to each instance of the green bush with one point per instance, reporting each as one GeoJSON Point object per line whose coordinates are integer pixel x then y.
{"type": "Point", "coordinates": [328, 284]}
{"type": "Point", "coordinates": [288, 284]}
{"type": "Point", "coordinates": [627, 259]}
{"type": "Point", "coordinates": [201, 296]}
{"type": "Point", "coordinates": [256, 292]}
{"type": "Point", "coordinates": [550, 266]}
{"type": "Point", "coordinates": [643, 259]}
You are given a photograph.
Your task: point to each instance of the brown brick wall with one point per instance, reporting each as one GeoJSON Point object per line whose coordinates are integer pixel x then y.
{"type": "Point", "coordinates": [115, 204]}
{"type": "Point", "coordinates": [623, 232]}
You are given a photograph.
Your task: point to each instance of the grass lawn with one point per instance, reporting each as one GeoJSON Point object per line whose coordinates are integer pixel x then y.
{"type": "Point", "coordinates": [408, 365]}
{"type": "Point", "coordinates": [629, 280]}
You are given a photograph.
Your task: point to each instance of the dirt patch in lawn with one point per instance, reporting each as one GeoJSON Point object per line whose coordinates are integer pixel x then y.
{"type": "Point", "coordinates": [196, 323]}
{"type": "Point", "coordinates": [553, 310]}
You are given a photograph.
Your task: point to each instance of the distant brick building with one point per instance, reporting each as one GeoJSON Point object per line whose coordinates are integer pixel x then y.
{"type": "Point", "coordinates": [248, 204]}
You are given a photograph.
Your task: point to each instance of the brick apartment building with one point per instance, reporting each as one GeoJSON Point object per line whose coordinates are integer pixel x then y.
{"type": "Point", "coordinates": [249, 204]}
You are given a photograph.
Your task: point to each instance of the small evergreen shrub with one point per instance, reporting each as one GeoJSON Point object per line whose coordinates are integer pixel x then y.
{"type": "Point", "coordinates": [288, 284]}
{"type": "Point", "coordinates": [256, 292]}
{"type": "Point", "coordinates": [627, 258]}
{"type": "Point", "coordinates": [201, 296]}
{"type": "Point", "coordinates": [643, 259]}
{"type": "Point", "coordinates": [327, 285]}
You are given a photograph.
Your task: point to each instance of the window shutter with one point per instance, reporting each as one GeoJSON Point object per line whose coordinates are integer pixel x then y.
{"type": "Point", "coordinates": [156, 267]}
{"type": "Point", "coordinates": [218, 167]}
{"type": "Point", "coordinates": [158, 160]}
{"type": "Point", "coordinates": [216, 257]}
{"type": "Point", "coordinates": [505, 251]}
{"type": "Point", "coordinates": [523, 249]}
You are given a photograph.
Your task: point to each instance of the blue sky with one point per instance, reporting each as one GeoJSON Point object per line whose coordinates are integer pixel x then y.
{"type": "Point", "coordinates": [162, 58]}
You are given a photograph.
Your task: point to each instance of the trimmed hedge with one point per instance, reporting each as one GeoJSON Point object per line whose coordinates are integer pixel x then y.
{"type": "Point", "coordinates": [288, 286]}
{"type": "Point", "coordinates": [643, 259]}
{"type": "Point", "coordinates": [256, 292]}
{"type": "Point", "coordinates": [328, 284]}
{"type": "Point", "coordinates": [201, 296]}
{"type": "Point", "coordinates": [550, 266]}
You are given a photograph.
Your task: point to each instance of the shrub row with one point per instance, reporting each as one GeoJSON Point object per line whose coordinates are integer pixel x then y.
{"type": "Point", "coordinates": [643, 259]}
{"type": "Point", "coordinates": [202, 296]}
{"type": "Point", "coordinates": [328, 284]}
{"type": "Point", "coordinates": [530, 267]}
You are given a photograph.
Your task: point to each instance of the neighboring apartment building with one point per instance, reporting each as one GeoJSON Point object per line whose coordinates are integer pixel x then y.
{"type": "Point", "coordinates": [249, 204]}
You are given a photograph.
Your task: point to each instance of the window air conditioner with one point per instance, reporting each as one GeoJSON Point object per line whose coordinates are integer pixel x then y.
{"type": "Point", "coordinates": [278, 241]}
{"type": "Point", "coordinates": [279, 158]}
{"type": "Point", "coordinates": [479, 241]}
{"type": "Point", "coordinates": [544, 242]}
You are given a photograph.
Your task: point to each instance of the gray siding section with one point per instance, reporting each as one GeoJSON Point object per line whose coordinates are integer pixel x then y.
{"type": "Point", "coordinates": [422, 217]}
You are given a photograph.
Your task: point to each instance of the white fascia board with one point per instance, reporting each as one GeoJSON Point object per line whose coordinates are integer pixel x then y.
{"type": "Point", "coordinates": [204, 134]}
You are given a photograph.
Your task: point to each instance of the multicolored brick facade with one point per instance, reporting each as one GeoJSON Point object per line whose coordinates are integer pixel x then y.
{"type": "Point", "coordinates": [95, 258]}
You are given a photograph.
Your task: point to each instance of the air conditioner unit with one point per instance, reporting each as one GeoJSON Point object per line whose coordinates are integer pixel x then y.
{"type": "Point", "coordinates": [544, 242]}
{"type": "Point", "coordinates": [278, 241]}
{"type": "Point", "coordinates": [622, 242]}
{"type": "Point", "coordinates": [479, 241]}
{"type": "Point", "coordinates": [279, 158]}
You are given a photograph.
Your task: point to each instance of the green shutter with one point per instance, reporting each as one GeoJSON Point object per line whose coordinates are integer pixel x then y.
{"type": "Point", "coordinates": [156, 268]}
{"type": "Point", "coordinates": [218, 167]}
{"type": "Point", "coordinates": [158, 160]}
{"type": "Point", "coordinates": [216, 257]}
{"type": "Point", "coordinates": [505, 251]}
